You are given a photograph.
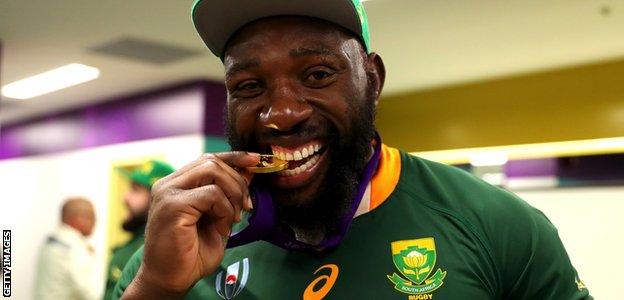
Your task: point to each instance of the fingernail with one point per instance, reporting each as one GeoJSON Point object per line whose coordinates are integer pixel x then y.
{"type": "Point", "coordinates": [249, 203]}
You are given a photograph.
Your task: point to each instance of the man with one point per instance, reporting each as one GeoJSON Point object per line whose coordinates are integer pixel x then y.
{"type": "Point", "coordinates": [66, 267]}
{"type": "Point", "coordinates": [350, 218]}
{"type": "Point", "coordinates": [137, 201]}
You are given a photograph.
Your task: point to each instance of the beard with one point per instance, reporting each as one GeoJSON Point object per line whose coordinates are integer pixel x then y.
{"type": "Point", "coordinates": [134, 222]}
{"type": "Point", "coordinates": [347, 157]}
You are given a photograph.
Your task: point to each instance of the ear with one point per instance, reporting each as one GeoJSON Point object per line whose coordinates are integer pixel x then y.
{"type": "Point", "coordinates": [377, 73]}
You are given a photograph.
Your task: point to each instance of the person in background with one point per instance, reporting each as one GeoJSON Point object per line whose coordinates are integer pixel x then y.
{"type": "Point", "coordinates": [66, 267]}
{"type": "Point", "coordinates": [137, 201]}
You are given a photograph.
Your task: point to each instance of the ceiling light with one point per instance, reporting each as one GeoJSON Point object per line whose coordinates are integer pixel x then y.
{"type": "Point", "coordinates": [488, 159]}
{"type": "Point", "coordinates": [50, 81]}
{"type": "Point", "coordinates": [529, 151]}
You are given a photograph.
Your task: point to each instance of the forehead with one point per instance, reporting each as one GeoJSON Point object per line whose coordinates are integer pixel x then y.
{"type": "Point", "coordinates": [288, 33]}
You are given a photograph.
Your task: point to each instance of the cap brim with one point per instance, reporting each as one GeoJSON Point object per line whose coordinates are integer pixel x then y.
{"type": "Point", "coordinates": [217, 20]}
{"type": "Point", "coordinates": [124, 172]}
{"type": "Point", "coordinates": [135, 176]}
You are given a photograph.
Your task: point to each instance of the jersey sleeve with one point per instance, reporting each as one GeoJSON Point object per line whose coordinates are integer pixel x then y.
{"type": "Point", "coordinates": [532, 260]}
{"type": "Point", "coordinates": [129, 271]}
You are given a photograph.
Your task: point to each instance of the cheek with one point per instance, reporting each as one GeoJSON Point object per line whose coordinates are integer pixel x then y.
{"type": "Point", "coordinates": [333, 105]}
{"type": "Point", "coordinates": [243, 117]}
{"type": "Point", "coordinates": [145, 199]}
{"type": "Point", "coordinates": [135, 201]}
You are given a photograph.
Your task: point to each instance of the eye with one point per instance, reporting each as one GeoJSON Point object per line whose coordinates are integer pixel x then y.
{"type": "Point", "coordinates": [248, 89]}
{"type": "Point", "coordinates": [247, 85]}
{"type": "Point", "coordinates": [319, 77]}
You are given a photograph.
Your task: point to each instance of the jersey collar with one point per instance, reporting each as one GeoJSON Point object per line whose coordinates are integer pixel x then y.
{"type": "Point", "coordinates": [383, 182]}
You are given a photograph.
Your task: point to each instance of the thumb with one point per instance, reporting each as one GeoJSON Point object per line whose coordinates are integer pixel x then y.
{"type": "Point", "coordinates": [239, 159]}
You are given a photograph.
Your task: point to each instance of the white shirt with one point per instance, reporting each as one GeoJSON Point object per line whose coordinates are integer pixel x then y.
{"type": "Point", "coordinates": [67, 268]}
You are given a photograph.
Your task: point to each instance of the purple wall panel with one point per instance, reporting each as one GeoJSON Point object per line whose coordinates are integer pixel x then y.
{"type": "Point", "coordinates": [531, 167]}
{"type": "Point", "coordinates": [191, 108]}
{"type": "Point", "coordinates": [607, 167]}
{"type": "Point", "coordinates": [214, 115]}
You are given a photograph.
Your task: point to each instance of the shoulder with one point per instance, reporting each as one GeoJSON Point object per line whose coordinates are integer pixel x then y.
{"type": "Point", "coordinates": [506, 225]}
{"type": "Point", "coordinates": [128, 248]}
{"type": "Point", "coordinates": [457, 192]}
{"type": "Point", "coordinates": [489, 212]}
{"type": "Point", "coordinates": [129, 271]}
{"type": "Point", "coordinates": [54, 241]}
{"type": "Point", "coordinates": [54, 247]}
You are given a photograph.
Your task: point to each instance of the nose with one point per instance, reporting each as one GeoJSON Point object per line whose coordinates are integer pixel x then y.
{"type": "Point", "coordinates": [286, 108]}
{"type": "Point", "coordinates": [126, 199]}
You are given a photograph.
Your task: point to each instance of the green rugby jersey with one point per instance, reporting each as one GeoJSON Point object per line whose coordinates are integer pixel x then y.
{"type": "Point", "coordinates": [428, 231]}
{"type": "Point", "coordinates": [120, 256]}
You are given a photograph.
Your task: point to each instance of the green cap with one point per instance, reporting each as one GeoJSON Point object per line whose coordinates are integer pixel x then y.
{"type": "Point", "coordinates": [217, 20]}
{"type": "Point", "coordinates": [150, 172]}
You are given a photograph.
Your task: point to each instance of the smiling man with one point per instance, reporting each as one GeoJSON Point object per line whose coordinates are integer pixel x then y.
{"type": "Point", "coordinates": [351, 218]}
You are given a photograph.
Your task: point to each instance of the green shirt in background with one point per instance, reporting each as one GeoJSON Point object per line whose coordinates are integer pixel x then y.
{"type": "Point", "coordinates": [120, 256]}
{"type": "Point", "coordinates": [441, 234]}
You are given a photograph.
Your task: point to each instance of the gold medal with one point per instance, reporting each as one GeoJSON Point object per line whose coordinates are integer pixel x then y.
{"type": "Point", "coordinates": [268, 164]}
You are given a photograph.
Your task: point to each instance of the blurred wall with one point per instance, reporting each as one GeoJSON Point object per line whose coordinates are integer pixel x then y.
{"type": "Point", "coordinates": [571, 104]}
{"type": "Point", "coordinates": [34, 188]}
{"type": "Point", "coordinates": [194, 107]}
{"type": "Point", "coordinates": [45, 160]}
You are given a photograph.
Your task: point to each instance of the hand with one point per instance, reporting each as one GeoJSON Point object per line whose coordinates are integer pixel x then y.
{"type": "Point", "coordinates": [190, 218]}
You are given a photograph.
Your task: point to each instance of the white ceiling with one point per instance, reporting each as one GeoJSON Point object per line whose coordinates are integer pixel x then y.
{"type": "Point", "coordinates": [425, 44]}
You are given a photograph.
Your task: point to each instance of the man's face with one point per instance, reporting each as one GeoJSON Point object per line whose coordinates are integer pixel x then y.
{"type": "Point", "coordinates": [137, 203]}
{"type": "Point", "coordinates": [88, 222]}
{"type": "Point", "coordinates": [302, 87]}
{"type": "Point", "coordinates": [85, 221]}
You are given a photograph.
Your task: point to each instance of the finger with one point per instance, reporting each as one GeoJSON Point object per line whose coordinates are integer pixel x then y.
{"type": "Point", "coordinates": [243, 178]}
{"type": "Point", "coordinates": [208, 172]}
{"type": "Point", "coordinates": [248, 176]}
{"type": "Point", "coordinates": [212, 172]}
{"type": "Point", "coordinates": [211, 202]}
{"type": "Point", "coordinates": [239, 159]}
{"type": "Point", "coordinates": [229, 156]}
{"type": "Point", "coordinates": [228, 161]}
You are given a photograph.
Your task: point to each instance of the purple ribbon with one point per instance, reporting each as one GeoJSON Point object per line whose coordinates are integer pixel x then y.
{"type": "Point", "coordinates": [263, 224]}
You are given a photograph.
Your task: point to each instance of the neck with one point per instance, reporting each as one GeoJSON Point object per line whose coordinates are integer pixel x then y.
{"type": "Point", "coordinates": [314, 233]}
{"type": "Point", "coordinates": [69, 226]}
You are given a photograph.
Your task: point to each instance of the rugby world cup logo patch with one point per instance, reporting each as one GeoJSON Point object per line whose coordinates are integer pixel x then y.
{"type": "Point", "coordinates": [231, 281]}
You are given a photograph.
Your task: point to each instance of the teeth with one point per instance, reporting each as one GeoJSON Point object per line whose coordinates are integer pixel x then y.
{"type": "Point", "coordinates": [301, 168]}
{"type": "Point", "coordinates": [298, 155]}
{"type": "Point", "coordinates": [279, 155]}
